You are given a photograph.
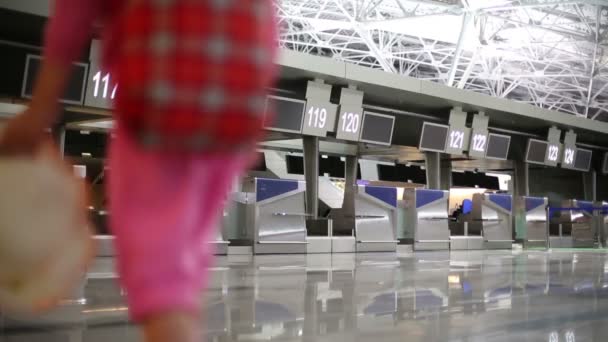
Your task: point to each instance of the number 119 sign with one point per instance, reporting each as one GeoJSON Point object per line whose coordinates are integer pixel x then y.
{"type": "Point", "coordinates": [320, 118]}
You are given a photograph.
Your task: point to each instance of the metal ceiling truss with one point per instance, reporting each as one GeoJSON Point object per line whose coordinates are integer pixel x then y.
{"type": "Point", "coordinates": [549, 53]}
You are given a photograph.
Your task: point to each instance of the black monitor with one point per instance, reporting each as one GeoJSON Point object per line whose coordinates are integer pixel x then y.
{"type": "Point", "coordinates": [498, 146]}
{"type": "Point", "coordinates": [74, 92]}
{"type": "Point", "coordinates": [582, 161]}
{"type": "Point", "coordinates": [295, 165]}
{"type": "Point", "coordinates": [377, 128]}
{"type": "Point", "coordinates": [536, 151]}
{"type": "Point", "coordinates": [434, 137]}
{"type": "Point", "coordinates": [288, 114]}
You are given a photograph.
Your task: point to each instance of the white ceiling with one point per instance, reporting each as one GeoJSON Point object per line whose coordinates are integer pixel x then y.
{"type": "Point", "coordinates": [549, 53]}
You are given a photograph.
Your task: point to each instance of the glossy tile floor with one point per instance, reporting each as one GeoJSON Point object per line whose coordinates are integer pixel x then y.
{"type": "Point", "coordinates": [458, 296]}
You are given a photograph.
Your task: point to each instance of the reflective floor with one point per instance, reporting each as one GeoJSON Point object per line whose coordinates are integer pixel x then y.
{"type": "Point", "coordinates": [458, 296]}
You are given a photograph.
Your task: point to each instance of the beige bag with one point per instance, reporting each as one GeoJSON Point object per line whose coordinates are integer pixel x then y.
{"type": "Point", "coordinates": [45, 236]}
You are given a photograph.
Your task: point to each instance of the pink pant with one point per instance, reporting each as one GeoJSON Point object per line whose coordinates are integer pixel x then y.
{"type": "Point", "coordinates": [163, 210]}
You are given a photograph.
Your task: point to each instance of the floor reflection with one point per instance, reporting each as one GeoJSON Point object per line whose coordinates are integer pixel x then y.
{"type": "Point", "coordinates": [439, 296]}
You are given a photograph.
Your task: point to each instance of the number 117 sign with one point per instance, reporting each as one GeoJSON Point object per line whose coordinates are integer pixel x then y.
{"type": "Point", "coordinates": [101, 85]}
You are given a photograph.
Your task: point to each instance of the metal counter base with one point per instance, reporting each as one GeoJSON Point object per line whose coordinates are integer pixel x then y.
{"type": "Point", "coordinates": [431, 245]}
{"type": "Point", "coordinates": [466, 243]}
{"type": "Point", "coordinates": [560, 242]}
{"type": "Point", "coordinates": [105, 246]}
{"type": "Point", "coordinates": [489, 244]}
{"type": "Point", "coordinates": [535, 244]}
{"type": "Point", "coordinates": [343, 244]}
{"type": "Point", "coordinates": [280, 248]}
{"type": "Point", "coordinates": [376, 246]}
{"type": "Point", "coordinates": [220, 247]}
{"type": "Point", "coordinates": [318, 245]}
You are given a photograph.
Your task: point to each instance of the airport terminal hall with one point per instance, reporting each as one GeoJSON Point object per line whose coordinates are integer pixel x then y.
{"type": "Point", "coordinates": [427, 170]}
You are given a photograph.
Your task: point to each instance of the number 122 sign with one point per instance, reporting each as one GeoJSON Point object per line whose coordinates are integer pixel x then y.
{"type": "Point", "coordinates": [349, 123]}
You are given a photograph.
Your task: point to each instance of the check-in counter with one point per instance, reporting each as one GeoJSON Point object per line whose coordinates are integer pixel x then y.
{"type": "Point", "coordinates": [493, 212]}
{"type": "Point", "coordinates": [602, 222]}
{"type": "Point", "coordinates": [578, 218]}
{"type": "Point", "coordinates": [427, 211]}
{"type": "Point", "coordinates": [531, 220]}
{"type": "Point", "coordinates": [375, 218]}
{"type": "Point", "coordinates": [279, 216]}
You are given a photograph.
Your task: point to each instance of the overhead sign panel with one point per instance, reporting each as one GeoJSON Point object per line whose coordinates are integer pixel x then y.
{"type": "Point", "coordinates": [320, 118]}
{"type": "Point", "coordinates": [349, 122]}
{"type": "Point", "coordinates": [498, 146]}
{"type": "Point", "coordinates": [74, 93]}
{"type": "Point", "coordinates": [101, 85]}
{"type": "Point", "coordinates": [457, 140]}
{"type": "Point", "coordinates": [569, 150]}
{"type": "Point", "coordinates": [458, 136]}
{"type": "Point", "coordinates": [288, 114]}
{"type": "Point", "coordinates": [553, 154]}
{"type": "Point", "coordinates": [377, 128]}
{"type": "Point", "coordinates": [536, 151]}
{"type": "Point", "coordinates": [434, 137]}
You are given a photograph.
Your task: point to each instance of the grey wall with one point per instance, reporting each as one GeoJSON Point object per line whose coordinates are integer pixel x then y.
{"type": "Point", "coordinates": [556, 183]}
{"type": "Point", "coordinates": [38, 7]}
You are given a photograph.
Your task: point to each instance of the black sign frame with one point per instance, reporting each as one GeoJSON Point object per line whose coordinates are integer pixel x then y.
{"type": "Point", "coordinates": [490, 135]}
{"type": "Point", "coordinates": [527, 159]}
{"type": "Point", "coordinates": [26, 77]}
{"type": "Point", "coordinates": [390, 139]}
{"type": "Point", "coordinates": [447, 132]}
{"type": "Point", "coordinates": [280, 98]}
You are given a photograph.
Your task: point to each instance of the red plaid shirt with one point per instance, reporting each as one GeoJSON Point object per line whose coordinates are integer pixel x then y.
{"type": "Point", "coordinates": [192, 73]}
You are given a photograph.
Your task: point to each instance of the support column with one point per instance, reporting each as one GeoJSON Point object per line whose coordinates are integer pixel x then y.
{"type": "Point", "coordinates": [350, 186]}
{"type": "Point", "coordinates": [433, 170]}
{"type": "Point", "coordinates": [520, 180]}
{"type": "Point", "coordinates": [59, 135]}
{"type": "Point", "coordinates": [590, 186]}
{"type": "Point", "coordinates": [445, 177]}
{"type": "Point", "coordinates": [311, 175]}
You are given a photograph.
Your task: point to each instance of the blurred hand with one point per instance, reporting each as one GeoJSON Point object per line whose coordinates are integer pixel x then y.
{"type": "Point", "coordinates": [24, 134]}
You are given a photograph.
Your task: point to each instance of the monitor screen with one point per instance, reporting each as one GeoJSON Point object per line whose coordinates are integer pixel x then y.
{"type": "Point", "coordinates": [288, 114]}
{"type": "Point", "coordinates": [295, 165]}
{"type": "Point", "coordinates": [74, 91]}
{"type": "Point", "coordinates": [434, 137]}
{"type": "Point", "coordinates": [537, 150]}
{"type": "Point", "coordinates": [377, 128]}
{"type": "Point", "coordinates": [582, 160]}
{"type": "Point", "coordinates": [498, 146]}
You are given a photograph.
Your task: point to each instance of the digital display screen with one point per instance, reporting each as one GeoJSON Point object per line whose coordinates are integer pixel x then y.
{"type": "Point", "coordinates": [288, 114]}
{"type": "Point", "coordinates": [377, 128]}
{"type": "Point", "coordinates": [582, 161]}
{"type": "Point", "coordinates": [434, 137]}
{"type": "Point", "coordinates": [498, 146]}
{"type": "Point", "coordinates": [74, 93]}
{"type": "Point", "coordinates": [537, 151]}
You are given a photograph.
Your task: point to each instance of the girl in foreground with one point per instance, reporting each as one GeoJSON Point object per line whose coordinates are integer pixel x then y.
{"type": "Point", "coordinates": [189, 108]}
